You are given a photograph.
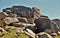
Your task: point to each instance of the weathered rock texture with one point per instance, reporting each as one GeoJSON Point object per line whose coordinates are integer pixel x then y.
{"type": "Point", "coordinates": [29, 21]}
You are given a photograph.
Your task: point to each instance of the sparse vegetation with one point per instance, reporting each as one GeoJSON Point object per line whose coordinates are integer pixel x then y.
{"type": "Point", "coordinates": [13, 34]}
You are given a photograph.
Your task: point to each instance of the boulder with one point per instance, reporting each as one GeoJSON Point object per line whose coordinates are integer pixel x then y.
{"type": "Point", "coordinates": [43, 35]}
{"type": "Point", "coordinates": [37, 13]}
{"type": "Point", "coordinates": [57, 21]}
{"type": "Point", "coordinates": [46, 25]}
{"type": "Point", "coordinates": [33, 28]}
{"type": "Point", "coordinates": [20, 11]}
{"type": "Point", "coordinates": [2, 15]}
{"type": "Point", "coordinates": [30, 33]}
{"type": "Point", "coordinates": [9, 20]}
{"type": "Point", "coordinates": [8, 11]}
{"type": "Point", "coordinates": [42, 24]}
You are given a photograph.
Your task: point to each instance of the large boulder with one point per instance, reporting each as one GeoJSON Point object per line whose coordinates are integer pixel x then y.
{"type": "Point", "coordinates": [42, 24]}
{"type": "Point", "coordinates": [45, 24]}
{"type": "Point", "coordinates": [20, 11]}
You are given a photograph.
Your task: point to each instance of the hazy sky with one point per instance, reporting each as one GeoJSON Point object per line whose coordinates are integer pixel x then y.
{"type": "Point", "coordinates": [51, 8]}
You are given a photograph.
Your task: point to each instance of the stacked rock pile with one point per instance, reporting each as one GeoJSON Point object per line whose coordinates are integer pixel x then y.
{"type": "Point", "coordinates": [29, 21]}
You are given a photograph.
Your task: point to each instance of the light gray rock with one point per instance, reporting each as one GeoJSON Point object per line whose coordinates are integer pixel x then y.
{"type": "Point", "coordinates": [30, 33]}
{"type": "Point", "coordinates": [9, 20]}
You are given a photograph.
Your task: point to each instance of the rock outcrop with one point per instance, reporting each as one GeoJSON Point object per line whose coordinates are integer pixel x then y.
{"type": "Point", "coordinates": [29, 22]}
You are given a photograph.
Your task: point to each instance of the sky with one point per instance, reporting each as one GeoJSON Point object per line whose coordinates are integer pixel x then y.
{"type": "Point", "coordinates": [50, 8]}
